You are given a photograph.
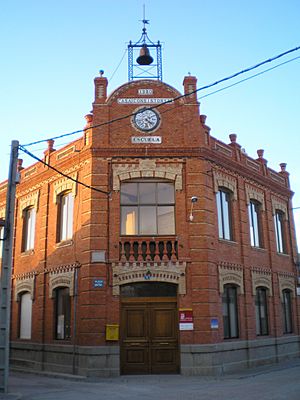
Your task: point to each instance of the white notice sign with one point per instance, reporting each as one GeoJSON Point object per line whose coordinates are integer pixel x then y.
{"type": "Point", "coordinates": [146, 139]}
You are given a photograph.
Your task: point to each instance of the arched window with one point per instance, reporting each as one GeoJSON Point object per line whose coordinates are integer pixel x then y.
{"type": "Point", "coordinates": [254, 211]}
{"type": "Point", "coordinates": [261, 311]}
{"type": "Point", "coordinates": [279, 231]}
{"type": "Point", "coordinates": [29, 217]}
{"type": "Point", "coordinates": [224, 199]}
{"type": "Point", "coordinates": [65, 216]}
{"type": "Point", "coordinates": [62, 314]}
{"type": "Point", "coordinates": [25, 315]}
{"type": "Point", "coordinates": [287, 311]}
{"type": "Point", "coordinates": [230, 312]}
{"type": "Point", "coordinates": [147, 208]}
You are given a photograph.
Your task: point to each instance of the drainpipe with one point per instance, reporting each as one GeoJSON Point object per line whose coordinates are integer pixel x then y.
{"type": "Point", "coordinates": [75, 319]}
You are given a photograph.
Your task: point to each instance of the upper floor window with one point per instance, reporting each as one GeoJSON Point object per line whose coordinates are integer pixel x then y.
{"type": "Point", "coordinates": [29, 216]}
{"type": "Point", "coordinates": [62, 314]}
{"type": "Point", "coordinates": [255, 223]}
{"type": "Point", "coordinates": [65, 216]}
{"type": "Point", "coordinates": [147, 208]}
{"type": "Point", "coordinates": [279, 231]}
{"type": "Point", "coordinates": [25, 316]}
{"type": "Point", "coordinates": [230, 312]}
{"type": "Point", "coordinates": [224, 214]}
{"type": "Point", "coordinates": [287, 311]}
{"type": "Point", "coordinates": [261, 312]}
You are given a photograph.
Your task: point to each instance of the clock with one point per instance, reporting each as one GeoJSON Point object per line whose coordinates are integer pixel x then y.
{"type": "Point", "coordinates": [146, 120]}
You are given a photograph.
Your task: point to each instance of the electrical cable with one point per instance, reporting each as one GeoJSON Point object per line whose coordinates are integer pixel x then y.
{"type": "Point", "coordinates": [171, 101]}
{"type": "Point", "coordinates": [62, 173]}
{"type": "Point", "coordinates": [250, 77]}
{"type": "Point", "coordinates": [118, 66]}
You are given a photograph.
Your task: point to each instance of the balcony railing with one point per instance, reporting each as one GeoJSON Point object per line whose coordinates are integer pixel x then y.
{"type": "Point", "coordinates": [148, 249]}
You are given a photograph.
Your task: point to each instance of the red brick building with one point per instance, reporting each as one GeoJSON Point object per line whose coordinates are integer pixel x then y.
{"type": "Point", "coordinates": [177, 256]}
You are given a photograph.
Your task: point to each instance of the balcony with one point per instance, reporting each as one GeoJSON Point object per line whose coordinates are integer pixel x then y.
{"type": "Point", "coordinates": [148, 249]}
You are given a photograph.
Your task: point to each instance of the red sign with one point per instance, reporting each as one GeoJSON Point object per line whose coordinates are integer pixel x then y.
{"type": "Point", "coordinates": [186, 320]}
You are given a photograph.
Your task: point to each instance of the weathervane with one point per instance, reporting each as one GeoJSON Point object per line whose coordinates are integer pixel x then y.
{"type": "Point", "coordinates": [144, 67]}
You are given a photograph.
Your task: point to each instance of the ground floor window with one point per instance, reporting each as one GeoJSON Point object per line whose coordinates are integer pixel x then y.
{"type": "Point", "coordinates": [230, 312]}
{"type": "Point", "coordinates": [25, 315]}
{"type": "Point", "coordinates": [62, 314]}
{"type": "Point", "coordinates": [261, 312]}
{"type": "Point", "coordinates": [287, 311]}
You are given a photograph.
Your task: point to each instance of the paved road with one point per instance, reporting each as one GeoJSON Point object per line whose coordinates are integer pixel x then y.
{"type": "Point", "coordinates": [279, 382]}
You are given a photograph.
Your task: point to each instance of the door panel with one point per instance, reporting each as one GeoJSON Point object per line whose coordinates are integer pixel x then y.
{"type": "Point", "coordinates": [149, 337]}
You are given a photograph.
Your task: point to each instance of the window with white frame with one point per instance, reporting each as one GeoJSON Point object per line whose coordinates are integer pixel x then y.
{"type": "Point", "coordinates": [254, 211]}
{"type": "Point", "coordinates": [224, 198]}
{"type": "Point", "coordinates": [261, 311]}
{"type": "Point", "coordinates": [65, 216]}
{"type": "Point", "coordinates": [147, 208]}
{"type": "Point", "coordinates": [230, 312]}
{"type": "Point", "coordinates": [29, 218]}
{"type": "Point", "coordinates": [25, 315]}
{"type": "Point", "coordinates": [279, 231]}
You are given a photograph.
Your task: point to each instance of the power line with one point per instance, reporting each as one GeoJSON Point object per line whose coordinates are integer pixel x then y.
{"type": "Point", "coordinates": [250, 77]}
{"type": "Point", "coordinates": [62, 173]}
{"type": "Point", "coordinates": [176, 98]}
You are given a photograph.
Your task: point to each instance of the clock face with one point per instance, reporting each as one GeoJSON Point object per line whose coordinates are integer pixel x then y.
{"type": "Point", "coordinates": [146, 120]}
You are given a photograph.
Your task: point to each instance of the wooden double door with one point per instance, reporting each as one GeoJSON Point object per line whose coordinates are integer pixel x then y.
{"type": "Point", "coordinates": [149, 336]}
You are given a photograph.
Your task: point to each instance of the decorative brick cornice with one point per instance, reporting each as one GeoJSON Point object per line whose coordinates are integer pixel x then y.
{"type": "Point", "coordinates": [171, 272]}
{"type": "Point", "coordinates": [231, 274]}
{"type": "Point", "coordinates": [148, 168]}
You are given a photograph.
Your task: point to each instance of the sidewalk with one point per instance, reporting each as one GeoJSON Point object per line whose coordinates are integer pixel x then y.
{"type": "Point", "coordinates": [276, 382]}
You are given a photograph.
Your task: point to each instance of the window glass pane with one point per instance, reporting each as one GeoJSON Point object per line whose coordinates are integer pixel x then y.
{"type": "Point", "coordinates": [219, 209]}
{"type": "Point", "coordinates": [29, 228]}
{"type": "Point", "coordinates": [230, 317]}
{"type": "Point", "coordinates": [129, 220]}
{"type": "Point", "coordinates": [147, 193]}
{"type": "Point", "coordinates": [66, 216]}
{"type": "Point", "coordinates": [165, 193]}
{"type": "Point", "coordinates": [129, 193]}
{"type": "Point", "coordinates": [287, 312]}
{"type": "Point", "coordinates": [25, 316]}
{"type": "Point", "coordinates": [63, 316]}
{"type": "Point", "coordinates": [148, 220]}
{"type": "Point", "coordinates": [165, 220]}
{"type": "Point", "coordinates": [232, 312]}
{"type": "Point", "coordinates": [226, 216]}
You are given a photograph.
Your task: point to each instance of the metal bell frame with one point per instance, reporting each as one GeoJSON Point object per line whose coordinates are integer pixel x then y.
{"type": "Point", "coordinates": [144, 71]}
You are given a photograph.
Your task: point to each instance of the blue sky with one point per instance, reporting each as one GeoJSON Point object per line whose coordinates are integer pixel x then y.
{"type": "Point", "coordinates": [52, 50]}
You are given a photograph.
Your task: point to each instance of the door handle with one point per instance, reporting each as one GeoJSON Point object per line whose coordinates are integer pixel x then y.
{"type": "Point", "coordinates": [163, 344]}
{"type": "Point", "coordinates": [135, 344]}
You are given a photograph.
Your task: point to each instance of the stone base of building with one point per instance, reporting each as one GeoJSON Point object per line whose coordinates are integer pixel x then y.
{"type": "Point", "coordinates": [234, 356]}
{"type": "Point", "coordinates": [104, 361]}
{"type": "Point", "coordinates": [82, 360]}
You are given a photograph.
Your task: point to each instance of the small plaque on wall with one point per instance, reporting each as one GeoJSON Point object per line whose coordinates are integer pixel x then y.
{"type": "Point", "coordinates": [112, 332]}
{"type": "Point", "coordinates": [186, 319]}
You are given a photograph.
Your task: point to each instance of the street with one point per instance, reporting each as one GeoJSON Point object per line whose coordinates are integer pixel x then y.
{"type": "Point", "coordinates": [280, 381]}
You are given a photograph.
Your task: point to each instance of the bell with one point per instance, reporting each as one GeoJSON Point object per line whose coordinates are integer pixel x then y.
{"type": "Point", "coordinates": [144, 58]}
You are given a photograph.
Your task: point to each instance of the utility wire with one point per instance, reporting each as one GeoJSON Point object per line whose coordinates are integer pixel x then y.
{"type": "Point", "coordinates": [250, 77]}
{"type": "Point", "coordinates": [176, 98]}
{"type": "Point", "coordinates": [62, 173]}
{"type": "Point", "coordinates": [113, 74]}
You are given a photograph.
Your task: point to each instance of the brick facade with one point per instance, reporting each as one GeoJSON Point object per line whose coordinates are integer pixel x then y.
{"type": "Point", "coordinates": [199, 263]}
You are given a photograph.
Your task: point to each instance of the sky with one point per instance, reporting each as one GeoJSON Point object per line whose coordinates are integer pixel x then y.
{"type": "Point", "coordinates": [51, 51]}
